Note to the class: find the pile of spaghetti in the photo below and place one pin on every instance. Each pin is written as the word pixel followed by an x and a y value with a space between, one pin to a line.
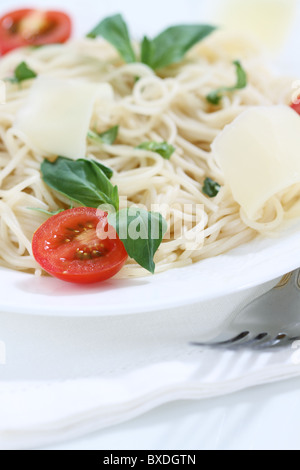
pixel 169 105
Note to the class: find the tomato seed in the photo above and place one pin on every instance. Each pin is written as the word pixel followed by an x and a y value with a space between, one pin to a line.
pixel 97 254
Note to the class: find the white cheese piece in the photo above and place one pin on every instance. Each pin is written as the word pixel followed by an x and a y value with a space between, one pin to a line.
pixel 56 116
pixel 259 154
pixel 268 20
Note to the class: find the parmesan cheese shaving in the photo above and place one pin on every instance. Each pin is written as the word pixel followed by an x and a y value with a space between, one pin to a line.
pixel 259 154
pixel 56 116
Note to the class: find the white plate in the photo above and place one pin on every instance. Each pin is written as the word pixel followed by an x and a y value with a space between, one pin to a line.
pixel 248 266
pixel 242 269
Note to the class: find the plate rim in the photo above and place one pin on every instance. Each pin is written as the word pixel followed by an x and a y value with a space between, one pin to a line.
pixel 286 261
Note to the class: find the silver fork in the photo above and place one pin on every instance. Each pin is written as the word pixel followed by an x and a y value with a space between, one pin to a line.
pixel 271 321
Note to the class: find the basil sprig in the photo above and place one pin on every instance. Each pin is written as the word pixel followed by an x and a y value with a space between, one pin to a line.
pixel 107 137
pixel 164 149
pixel 82 181
pixel 22 72
pixel 215 96
pixel 141 233
pixel 115 31
pixel 87 183
pixel 169 47
pixel 210 187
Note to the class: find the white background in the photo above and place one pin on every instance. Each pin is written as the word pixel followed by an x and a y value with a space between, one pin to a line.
pixel 264 417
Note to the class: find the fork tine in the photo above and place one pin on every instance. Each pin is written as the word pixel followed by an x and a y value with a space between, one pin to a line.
pixel 280 340
pixel 224 343
pixel 251 342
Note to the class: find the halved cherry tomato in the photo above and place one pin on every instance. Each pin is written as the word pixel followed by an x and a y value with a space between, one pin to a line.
pixel 29 27
pixel 296 107
pixel 68 246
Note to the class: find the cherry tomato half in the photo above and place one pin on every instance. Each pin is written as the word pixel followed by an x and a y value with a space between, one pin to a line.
pixel 29 27
pixel 296 107
pixel 68 246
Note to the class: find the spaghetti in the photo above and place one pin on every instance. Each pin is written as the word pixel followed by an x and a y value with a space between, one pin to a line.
pixel 168 107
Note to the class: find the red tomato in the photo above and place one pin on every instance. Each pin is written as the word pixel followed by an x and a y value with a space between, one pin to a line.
pixel 67 246
pixel 29 27
pixel 296 107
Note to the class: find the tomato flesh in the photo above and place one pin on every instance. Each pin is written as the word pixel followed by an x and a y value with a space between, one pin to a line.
pixel 296 107
pixel 68 246
pixel 56 28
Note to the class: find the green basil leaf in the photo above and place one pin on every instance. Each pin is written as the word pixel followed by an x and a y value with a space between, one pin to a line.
pixel 107 171
pixel 22 73
pixel 44 211
pixel 80 180
pixel 147 51
pixel 241 75
pixel 108 137
pixel 115 31
pixel 215 96
pixel 171 45
pixel 211 187
pixel 141 232
pixel 162 148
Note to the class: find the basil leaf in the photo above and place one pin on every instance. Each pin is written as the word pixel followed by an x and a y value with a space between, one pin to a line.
pixel 22 73
pixel 211 187
pixel 141 232
pixel 147 51
pixel 80 180
pixel 162 148
pixel 108 137
pixel 44 211
pixel 214 97
pixel 241 75
pixel 171 45
pixel 107 171
pixel 115 31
